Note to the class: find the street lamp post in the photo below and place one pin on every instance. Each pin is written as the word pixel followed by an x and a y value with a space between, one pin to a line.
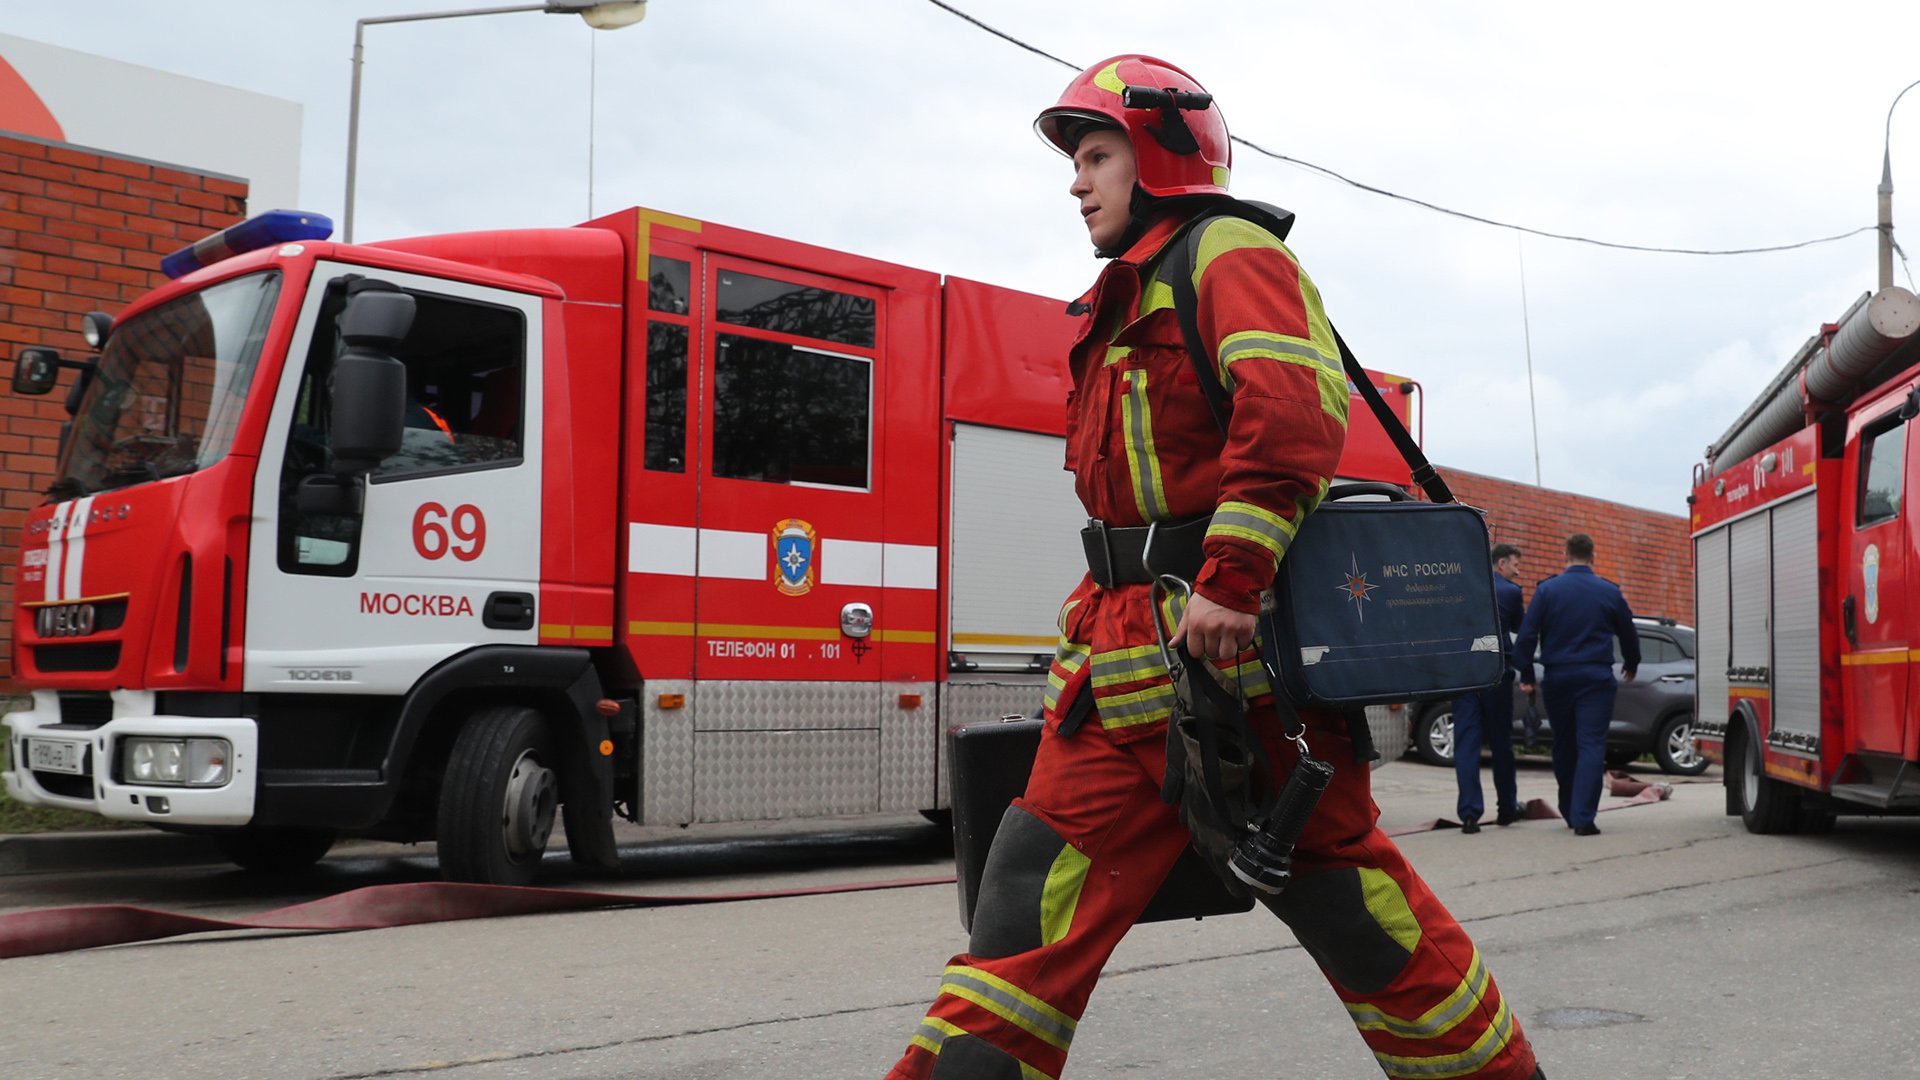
pixel 607 15
pixel 1886 193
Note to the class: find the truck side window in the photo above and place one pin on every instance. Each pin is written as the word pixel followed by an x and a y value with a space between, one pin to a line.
pixel 801 310
pixel 466 376
pixel 789 414
pixel 666 434
pixel 1883 457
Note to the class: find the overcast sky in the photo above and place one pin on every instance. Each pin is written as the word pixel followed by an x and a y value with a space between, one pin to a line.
pixel 893 129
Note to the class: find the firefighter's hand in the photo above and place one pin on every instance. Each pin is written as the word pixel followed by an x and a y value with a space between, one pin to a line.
pixel 1626 676
pixel 1213 632
pixel 1526 688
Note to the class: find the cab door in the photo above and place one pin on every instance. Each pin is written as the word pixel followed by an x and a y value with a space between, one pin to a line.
pixel 790 551
pixel 1873 614
pixel 444 553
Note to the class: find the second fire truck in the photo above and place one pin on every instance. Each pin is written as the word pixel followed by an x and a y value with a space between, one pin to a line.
pixel 1807 581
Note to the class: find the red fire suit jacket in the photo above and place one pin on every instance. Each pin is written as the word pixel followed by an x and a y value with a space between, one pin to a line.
pixel 1143 447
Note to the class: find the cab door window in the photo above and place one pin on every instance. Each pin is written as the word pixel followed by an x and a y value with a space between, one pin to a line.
pixel 1882 474
pixel 466 377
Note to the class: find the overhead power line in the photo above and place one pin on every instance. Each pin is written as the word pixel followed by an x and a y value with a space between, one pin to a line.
pixel 1422 203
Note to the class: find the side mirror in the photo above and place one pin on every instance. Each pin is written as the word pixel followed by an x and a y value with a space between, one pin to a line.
pixel 1909 408
pixel 369 385
pixel 36 371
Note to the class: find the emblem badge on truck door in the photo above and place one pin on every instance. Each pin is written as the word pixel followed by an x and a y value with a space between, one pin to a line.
pixel 794 545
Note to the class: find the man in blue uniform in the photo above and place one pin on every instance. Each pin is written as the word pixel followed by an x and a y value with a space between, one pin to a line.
pixel 1572 618
pixel 1487 717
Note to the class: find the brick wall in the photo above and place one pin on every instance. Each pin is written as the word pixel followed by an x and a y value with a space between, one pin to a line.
pixel 80 230
pixel 1647 553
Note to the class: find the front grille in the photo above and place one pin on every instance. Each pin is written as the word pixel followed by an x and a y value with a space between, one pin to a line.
pixel 98 657
pixel 85 710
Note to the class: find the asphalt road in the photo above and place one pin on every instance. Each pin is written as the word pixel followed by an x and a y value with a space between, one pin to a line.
pixel 1674 945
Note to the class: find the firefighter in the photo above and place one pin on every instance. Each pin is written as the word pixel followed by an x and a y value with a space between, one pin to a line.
pixel 1077 858
pixel 1575 618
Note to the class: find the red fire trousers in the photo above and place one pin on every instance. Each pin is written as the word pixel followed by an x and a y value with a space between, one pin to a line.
pixel 1089 844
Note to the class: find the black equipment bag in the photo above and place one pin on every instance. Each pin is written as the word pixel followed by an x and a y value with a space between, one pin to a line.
pixel 1376 601
pixel 988 765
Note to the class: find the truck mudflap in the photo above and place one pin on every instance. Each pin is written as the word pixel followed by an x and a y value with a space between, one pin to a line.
pixel 79 761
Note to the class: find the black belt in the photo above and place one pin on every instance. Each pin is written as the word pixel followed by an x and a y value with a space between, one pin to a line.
pixel 1114 554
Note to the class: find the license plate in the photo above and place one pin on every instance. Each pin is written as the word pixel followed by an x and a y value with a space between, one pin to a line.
pixel 56 755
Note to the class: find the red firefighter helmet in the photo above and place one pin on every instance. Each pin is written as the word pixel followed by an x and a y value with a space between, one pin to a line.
pixel 1179 137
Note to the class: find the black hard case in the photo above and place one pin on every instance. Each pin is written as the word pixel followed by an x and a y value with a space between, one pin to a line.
pixel 988 764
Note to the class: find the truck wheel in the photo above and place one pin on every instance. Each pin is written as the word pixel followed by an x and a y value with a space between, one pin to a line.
pixel 274 851
pixel 1766 805
pixel 499 798
pixel 1674 750
pixel 1433 735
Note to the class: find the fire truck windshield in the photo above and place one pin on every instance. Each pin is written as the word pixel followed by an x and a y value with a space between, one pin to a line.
pixel 166 396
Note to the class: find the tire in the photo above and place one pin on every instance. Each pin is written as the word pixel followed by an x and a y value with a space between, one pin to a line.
pixel 1433 735
pixel 942 817
pixel 499 798
pixel 1674 750
pixel 1767 806
pixel 274 852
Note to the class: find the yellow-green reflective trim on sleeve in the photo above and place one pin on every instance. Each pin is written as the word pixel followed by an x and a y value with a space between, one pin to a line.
pixel 1061 893
pixel 1254 524
pixel 1228 234
pixel 1259 345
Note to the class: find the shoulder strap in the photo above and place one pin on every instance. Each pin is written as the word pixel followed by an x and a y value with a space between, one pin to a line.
pixel 1186 302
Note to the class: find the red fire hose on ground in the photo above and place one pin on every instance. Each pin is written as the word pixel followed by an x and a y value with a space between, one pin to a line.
pixel 54 930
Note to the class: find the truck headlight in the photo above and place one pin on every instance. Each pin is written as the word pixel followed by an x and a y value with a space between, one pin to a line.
pixel 183 762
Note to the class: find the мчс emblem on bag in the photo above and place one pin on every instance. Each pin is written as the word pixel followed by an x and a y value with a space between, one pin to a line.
pixel 793 554
pixel 1356 588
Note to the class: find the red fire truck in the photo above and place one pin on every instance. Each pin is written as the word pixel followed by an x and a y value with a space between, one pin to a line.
pixel 1807 581
pixel 441 538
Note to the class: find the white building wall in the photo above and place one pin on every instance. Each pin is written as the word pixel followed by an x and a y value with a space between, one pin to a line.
pixel 135 111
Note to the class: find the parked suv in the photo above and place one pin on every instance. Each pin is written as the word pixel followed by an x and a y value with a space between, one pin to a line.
pixel 1652 714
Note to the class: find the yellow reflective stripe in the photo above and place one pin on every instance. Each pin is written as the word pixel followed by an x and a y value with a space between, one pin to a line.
pixel 1436 1021
pixel 1065 610
pixel 1061 893
pixel 1128 665
pixel 1255 344
pixel 1256 525
pixel 1068 659
pixel 1010 1003
pixel 1143 466
pixel 1108 78
pixel 934 1033
pixel 1465 1063
pixel 1139 707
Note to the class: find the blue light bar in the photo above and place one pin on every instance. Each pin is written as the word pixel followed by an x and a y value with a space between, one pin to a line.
pixel 272 227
